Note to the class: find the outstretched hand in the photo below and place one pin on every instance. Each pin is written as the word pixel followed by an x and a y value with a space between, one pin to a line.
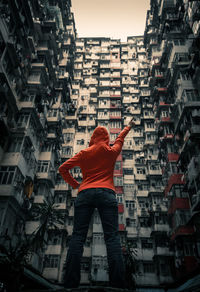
pixel 131 123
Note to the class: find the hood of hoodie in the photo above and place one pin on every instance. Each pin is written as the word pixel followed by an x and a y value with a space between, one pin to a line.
pixel 100 135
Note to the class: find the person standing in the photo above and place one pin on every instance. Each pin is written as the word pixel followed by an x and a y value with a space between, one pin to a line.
pixel 96 190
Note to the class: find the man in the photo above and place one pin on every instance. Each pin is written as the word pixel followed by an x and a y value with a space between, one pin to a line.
pixel 96 190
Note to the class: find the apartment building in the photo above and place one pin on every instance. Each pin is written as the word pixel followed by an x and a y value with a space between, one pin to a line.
pixel 110 86
pixel 172 41
pixel 36 67
pixel 56 88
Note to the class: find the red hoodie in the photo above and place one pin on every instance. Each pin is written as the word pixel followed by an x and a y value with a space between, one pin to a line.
pixel 97 162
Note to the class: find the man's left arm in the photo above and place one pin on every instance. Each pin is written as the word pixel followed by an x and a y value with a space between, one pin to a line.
pixel 66 166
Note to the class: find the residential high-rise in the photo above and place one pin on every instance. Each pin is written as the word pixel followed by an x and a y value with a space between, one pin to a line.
pixel 36 68
pixel 57 87
pixel 172 41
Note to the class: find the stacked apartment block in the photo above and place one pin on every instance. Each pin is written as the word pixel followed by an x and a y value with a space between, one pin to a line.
pixel 172 42
pixel 110 86
pixel 56 88
pixel 36 68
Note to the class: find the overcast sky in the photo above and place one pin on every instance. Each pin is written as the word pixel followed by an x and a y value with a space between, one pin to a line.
pixel 110 18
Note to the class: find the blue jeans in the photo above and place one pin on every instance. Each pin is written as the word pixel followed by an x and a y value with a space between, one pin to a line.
pixel 104 200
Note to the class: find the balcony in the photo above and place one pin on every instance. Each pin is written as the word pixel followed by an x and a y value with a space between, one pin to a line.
pixel 179 203
pixel 121 227
pixel 190 263
pixel 82 123
pixel 114 117
pixel 115 130
pixel 120 208
pixel 115 95
pixel 115 106
pixel 154 172
pixel 163 251
pixel 39 199
pixel 167 137
pixel 35 79
pixel 48 176
pixel 14 190
pixel 182 231
pixel 175 179
pixel 172 157
pixel 91 123
pixel 195 202
pixel 60 206
pixel 194 168
pixel 54 249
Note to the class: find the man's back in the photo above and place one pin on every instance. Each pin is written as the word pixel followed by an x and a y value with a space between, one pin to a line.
pixel 96 162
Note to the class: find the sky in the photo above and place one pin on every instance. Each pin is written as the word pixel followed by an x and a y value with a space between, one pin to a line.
pixel 110 18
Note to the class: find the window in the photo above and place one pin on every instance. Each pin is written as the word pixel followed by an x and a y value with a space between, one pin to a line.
pixel 55 239
pixel 130 222
pixel 165 269
pixel 130 205
pixel 140 170
pixel 183 217
pixel 189 95
pixel 87 242
pixel 23 120
pixel 143 187
pixel 115 124
pixel 98 238
pixel 43 189
pixel 150 137
pixel 148 267
pixel 60 197
pixel 128 171
pixel 179 42
pixel 52 261
pixel 113 136
pixel 16 145
pixel 161 219
pixel 85 266
pixel 67 137
pixel 70 221
pixel 67 151
pixel 53 113
pixel 121 218
pixel 154 167
pixel 150 125
pixel 177 191
pixel 132 243
pixel 120 198
pixel 80 142
pixel 189 248
pixel 139 142
pixel 118 165
pixel 7 174
pixel 43 166
pixel 118 181
pixel 146 243
pixel 115 113
pixel 141 204
pixel 185 76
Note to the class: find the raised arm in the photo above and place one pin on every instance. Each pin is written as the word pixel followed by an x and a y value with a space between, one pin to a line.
pixel 117 146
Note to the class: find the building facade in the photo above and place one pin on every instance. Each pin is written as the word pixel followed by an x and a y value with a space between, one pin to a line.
pixel 172 42
pixel 36 68
pixel 56 88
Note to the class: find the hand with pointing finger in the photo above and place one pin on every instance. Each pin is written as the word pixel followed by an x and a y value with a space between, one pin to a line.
pixel 131 123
